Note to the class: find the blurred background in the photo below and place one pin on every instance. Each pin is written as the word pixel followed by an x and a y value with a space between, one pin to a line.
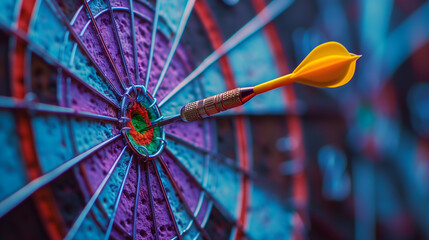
pixel 367 142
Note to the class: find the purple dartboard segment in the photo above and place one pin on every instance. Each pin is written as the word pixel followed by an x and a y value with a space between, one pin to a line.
pixel 93 171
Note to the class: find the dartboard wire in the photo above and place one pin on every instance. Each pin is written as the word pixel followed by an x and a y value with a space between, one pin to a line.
pixel 82 46
pixel 119 9
pixel 117 200
pixel 28 102
pixel 16 11
pixel 118 40
pixel 244 156
pixel 20 70
pixel 224 159
pixel 18 104
pixel 208 138
pixel 78 222
pixel 215 148
pixel 101 39
pixel 182 198
pixel 53 62
pixel 269 13
pixel 133 31
pixel 153 40
pixel 152 205
pixel 201 199
pixel 294 125
pixel 59 83
pixel 80 170
pixel 216 203
pixel 170 211
pixel 136 203
pixel 23 193
pixel 182 25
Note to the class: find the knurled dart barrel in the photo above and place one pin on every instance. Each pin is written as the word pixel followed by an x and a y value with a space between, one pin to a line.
pixel 215 104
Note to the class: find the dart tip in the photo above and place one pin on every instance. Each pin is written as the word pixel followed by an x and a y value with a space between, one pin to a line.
pixel 147 128
pixel 153 125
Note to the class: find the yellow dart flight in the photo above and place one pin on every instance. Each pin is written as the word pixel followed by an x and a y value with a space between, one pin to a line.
pixel 328 65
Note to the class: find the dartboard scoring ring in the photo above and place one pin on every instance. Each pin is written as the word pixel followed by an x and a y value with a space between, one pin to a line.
pixel 138 110
pixel 138 103
pixel 205 179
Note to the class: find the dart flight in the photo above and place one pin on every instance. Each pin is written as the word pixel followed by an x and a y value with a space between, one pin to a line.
pixel 328 65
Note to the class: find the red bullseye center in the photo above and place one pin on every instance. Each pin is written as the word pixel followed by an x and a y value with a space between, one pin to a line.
pixel 139 119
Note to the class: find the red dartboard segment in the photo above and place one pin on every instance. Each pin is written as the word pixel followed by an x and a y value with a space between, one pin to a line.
pixel 215 36
pixel 293 122
pixel 43 198
pixel 244 162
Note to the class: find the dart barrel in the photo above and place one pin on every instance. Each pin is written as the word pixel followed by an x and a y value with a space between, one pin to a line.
pixel 215 104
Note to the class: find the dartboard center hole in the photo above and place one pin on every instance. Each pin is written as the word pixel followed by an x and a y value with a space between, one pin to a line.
pixel 140 110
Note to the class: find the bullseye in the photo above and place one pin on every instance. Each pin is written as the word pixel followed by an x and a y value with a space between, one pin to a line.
pixel 139 119
pixel 138 109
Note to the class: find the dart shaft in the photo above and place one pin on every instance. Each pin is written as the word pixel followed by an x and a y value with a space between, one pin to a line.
pixel 206 107
pixel 275 83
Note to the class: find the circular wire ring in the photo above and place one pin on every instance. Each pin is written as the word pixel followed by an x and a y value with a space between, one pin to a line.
pixel 145 150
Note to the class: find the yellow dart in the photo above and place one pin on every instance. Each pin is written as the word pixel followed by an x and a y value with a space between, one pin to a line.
pixel 328 65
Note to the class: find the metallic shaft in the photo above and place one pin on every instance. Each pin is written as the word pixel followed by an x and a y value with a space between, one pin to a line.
pixel 207 107
pixel 215 104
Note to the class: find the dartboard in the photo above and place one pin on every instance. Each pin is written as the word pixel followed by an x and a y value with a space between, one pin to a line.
pixel 81 81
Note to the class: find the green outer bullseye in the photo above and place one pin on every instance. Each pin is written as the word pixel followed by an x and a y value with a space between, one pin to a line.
pixel 139 124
